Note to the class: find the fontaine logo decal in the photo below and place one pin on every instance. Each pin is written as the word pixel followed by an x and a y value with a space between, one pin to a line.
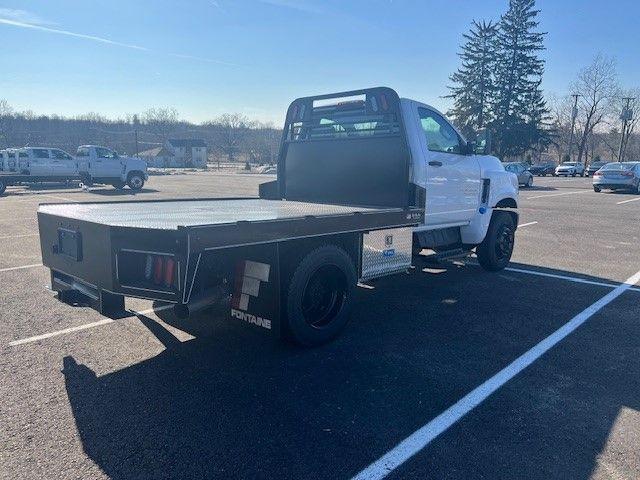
pixel 249 276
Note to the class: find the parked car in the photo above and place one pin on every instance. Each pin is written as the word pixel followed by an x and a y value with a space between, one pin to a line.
pixel 566 169
pixel 521 170
pixel 618 176
pixel 543 169
pixel 593 168
pixel 102 165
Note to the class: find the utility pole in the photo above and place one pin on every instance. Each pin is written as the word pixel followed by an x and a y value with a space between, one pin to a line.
pixel 136 122
pixel 626 116
pixel 574 114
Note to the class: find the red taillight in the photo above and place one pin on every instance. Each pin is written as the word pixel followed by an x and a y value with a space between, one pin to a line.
pixel 169 268
pixel 158 270
pixel 597 174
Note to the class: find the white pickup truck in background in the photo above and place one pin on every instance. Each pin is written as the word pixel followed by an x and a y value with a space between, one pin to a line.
pixel 102 165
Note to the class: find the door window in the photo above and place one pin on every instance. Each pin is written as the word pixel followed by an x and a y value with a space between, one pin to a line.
pixel 60 155
pixel 105 153
pixel 441 136
pixel 40 153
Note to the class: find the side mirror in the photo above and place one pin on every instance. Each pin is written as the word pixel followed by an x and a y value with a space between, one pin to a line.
pixel 470 148
pixel 483 142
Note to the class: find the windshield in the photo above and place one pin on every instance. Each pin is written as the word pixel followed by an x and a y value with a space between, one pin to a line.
pixel 569 164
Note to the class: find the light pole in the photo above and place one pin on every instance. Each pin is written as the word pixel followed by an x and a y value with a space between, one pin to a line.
pixel 626 116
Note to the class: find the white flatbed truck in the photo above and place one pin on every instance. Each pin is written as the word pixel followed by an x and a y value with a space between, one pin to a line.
pixel 366 181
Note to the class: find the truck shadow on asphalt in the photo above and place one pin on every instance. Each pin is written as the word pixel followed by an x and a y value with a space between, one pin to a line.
pixel 112 192
pixel 537 188
pixel 235 403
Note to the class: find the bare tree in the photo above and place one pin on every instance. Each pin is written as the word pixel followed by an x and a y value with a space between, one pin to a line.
pixel 560 112
pixel 231 133
pixel 6 114
pixel 161 121
pixel 597 86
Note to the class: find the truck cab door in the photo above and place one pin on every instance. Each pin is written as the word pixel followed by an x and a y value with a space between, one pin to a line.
pixel 40 163
pixel 64 164
pixel 453 183
pixel 105 164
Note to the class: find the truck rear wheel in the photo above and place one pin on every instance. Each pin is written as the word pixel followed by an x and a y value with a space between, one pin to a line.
pixel 494 253
pixel 135 181
pixel 320 295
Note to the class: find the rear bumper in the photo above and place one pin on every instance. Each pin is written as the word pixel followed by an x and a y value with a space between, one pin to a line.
pixel 74 291
pixel 614 184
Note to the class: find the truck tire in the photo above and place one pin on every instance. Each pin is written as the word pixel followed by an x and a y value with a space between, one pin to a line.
pixel 320 295
pixel 494 253
pixel 3 187
pixel 135 180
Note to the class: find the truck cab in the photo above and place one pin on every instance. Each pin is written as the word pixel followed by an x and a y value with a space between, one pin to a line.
pixel 370 147
pixel 105 166
pixel 46 164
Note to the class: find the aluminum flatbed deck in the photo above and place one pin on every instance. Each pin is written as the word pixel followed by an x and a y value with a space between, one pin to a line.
pixel 170 215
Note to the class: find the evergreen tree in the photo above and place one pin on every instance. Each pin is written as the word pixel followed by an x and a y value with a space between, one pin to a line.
pixel 519 107
pixel 474 88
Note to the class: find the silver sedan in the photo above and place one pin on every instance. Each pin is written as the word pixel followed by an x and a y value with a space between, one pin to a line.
pixel 522 171
pixel 618 176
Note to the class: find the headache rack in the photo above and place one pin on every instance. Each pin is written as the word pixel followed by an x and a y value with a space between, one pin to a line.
pixel 345 148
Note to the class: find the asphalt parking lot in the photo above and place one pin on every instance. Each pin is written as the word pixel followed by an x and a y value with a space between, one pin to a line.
pixel 451 372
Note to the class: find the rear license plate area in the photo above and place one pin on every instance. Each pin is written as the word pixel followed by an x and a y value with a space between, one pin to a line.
pixel 70 244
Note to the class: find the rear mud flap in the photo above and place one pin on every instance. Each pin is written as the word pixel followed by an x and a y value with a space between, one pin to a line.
pixel 256 289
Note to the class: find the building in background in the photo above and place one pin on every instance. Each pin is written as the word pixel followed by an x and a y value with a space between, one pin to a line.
pixel 177 153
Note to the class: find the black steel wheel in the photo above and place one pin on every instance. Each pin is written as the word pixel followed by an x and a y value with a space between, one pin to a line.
pixel 320 295
pixel 135 181
pixel 494 253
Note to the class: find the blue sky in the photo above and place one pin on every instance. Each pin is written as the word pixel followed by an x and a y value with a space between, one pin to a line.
pixel 207 57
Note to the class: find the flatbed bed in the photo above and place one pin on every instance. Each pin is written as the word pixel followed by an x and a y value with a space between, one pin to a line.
pixel 106 251
pixel 173 214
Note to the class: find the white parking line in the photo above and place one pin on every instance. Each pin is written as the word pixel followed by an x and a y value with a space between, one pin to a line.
pixel 86 326
pixel 526 224
pixel 627 201
pixel 556 194
pixel 568 278
pixel 11 269
pixel 422 437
